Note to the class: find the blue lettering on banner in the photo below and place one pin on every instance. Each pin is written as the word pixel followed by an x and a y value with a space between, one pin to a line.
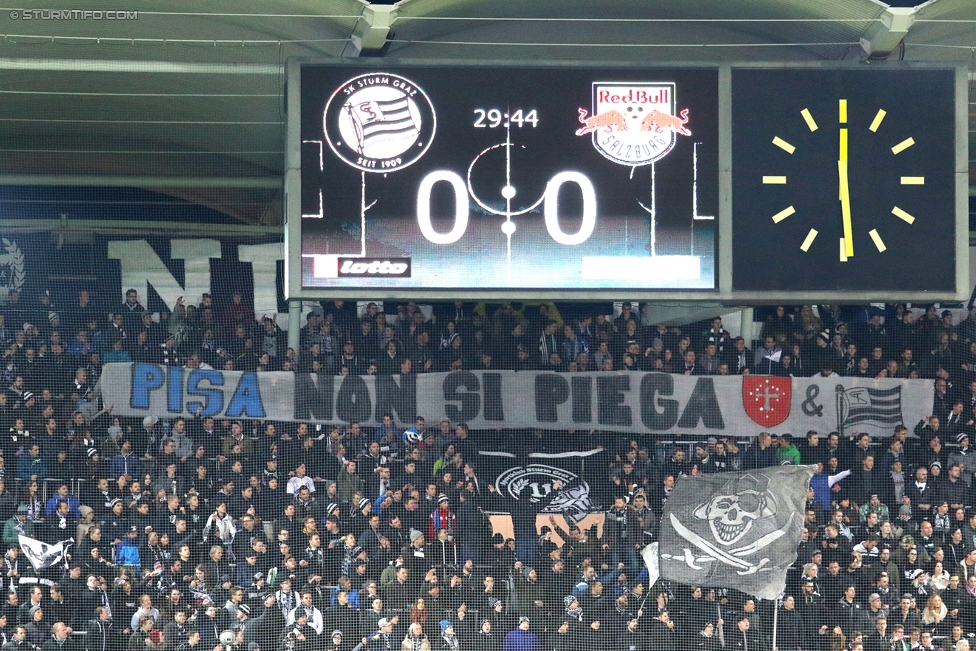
pixel 213 399
pixel 145 379
pixel 246 402
pixel 174 393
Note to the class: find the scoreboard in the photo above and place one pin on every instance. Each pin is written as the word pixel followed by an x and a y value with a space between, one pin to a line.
pixel 568 179
pixel 572 181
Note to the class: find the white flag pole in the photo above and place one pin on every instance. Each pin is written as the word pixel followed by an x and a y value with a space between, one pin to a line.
pixel 721 628
pixel 775 621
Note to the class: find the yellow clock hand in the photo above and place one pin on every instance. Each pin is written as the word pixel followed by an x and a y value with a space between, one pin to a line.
pixel 845 195
pixel 845 207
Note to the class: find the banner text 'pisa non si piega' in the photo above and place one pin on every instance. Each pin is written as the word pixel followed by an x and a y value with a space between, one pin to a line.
pixel 611 401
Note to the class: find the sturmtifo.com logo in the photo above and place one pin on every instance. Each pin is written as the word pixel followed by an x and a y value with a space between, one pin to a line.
pixel 379 122
pixel 534 481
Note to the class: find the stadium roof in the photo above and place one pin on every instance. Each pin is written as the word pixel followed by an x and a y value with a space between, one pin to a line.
pixel 189 101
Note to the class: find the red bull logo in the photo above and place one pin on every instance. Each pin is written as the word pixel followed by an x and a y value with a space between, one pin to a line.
pixel 633 124
pixel 609 121
pixel 657 122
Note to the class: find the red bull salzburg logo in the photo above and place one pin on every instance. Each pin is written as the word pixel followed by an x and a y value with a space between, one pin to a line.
pixel 633 124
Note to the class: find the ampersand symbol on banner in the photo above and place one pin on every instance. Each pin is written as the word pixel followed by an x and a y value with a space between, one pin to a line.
pixel 809 406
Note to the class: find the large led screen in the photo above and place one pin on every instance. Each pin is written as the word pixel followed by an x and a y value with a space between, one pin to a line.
pixel 558 179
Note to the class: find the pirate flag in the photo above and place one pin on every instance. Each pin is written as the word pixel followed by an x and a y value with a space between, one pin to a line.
pixel 736 530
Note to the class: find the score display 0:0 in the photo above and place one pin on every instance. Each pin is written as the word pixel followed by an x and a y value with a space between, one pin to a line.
pixel 497 118
pixel 550 207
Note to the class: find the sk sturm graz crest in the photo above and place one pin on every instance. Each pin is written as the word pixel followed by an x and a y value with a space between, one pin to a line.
pixel 633 123
pixel 532 482
pixel 379 122
pixel 735 529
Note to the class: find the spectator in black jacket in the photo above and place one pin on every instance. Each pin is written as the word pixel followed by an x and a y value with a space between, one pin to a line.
pixel 762 454
pixel 848 613
pixel 99 635
pixel 524 523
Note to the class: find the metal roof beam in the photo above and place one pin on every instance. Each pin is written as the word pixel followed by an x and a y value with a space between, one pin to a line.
pixel 372 32
pixel 131 226
pixel 126 181
pixel 885 35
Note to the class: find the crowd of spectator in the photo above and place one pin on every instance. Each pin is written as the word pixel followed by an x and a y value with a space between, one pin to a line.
pixel 303 537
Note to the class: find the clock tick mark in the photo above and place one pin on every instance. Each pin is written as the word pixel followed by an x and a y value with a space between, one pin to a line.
pixel 913 180
pixel 902 146
pixel 877 120
pixel 811 236
pixel 901 214
pixel 783 214
pixel 808 118
pixel 877 240
pixel 843 250
pixel 842 111
pixel 774 180
pixel 782 144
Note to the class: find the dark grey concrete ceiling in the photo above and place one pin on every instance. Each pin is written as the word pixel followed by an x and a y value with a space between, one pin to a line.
pixel 195 93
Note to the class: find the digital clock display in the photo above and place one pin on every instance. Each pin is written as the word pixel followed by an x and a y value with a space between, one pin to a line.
pixel 565 179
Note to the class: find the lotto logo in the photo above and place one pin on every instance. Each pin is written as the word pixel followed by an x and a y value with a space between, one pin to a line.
pixel 388 267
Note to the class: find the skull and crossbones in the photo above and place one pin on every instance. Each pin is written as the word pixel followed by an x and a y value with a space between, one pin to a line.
pixel 730 516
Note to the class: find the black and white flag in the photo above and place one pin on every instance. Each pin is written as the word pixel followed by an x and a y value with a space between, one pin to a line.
pixel 737 530
pixel 42 555
pixel 381 120
pixel 866 406
pixel 528 478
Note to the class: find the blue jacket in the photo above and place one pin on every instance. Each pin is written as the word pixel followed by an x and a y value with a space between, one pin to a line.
pixel 129 554
pixel 383 430
pixel 582 588
pixel 28 465
pixel 119 463
pixel 245 573
pixel 519 640
pixel 73 505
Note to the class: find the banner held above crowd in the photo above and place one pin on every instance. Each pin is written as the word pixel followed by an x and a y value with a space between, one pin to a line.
pixel 734 530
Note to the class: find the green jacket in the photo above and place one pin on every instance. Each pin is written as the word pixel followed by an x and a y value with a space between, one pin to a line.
pixel 791 453
pixel 11 531
pixel 137 641
pixel 528 594
pixel 347 485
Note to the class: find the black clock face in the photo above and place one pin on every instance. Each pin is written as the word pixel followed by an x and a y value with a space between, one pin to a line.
pixel 792 176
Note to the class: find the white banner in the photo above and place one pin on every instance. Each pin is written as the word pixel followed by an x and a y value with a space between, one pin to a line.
pixel 618 401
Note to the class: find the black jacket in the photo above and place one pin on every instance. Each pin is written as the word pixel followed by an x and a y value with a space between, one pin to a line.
pixel 98 636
